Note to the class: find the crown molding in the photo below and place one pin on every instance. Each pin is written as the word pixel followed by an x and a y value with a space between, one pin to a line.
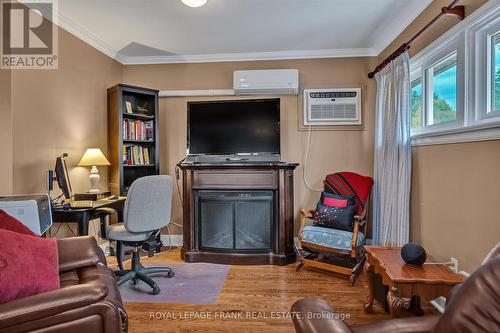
pixel 80 32
pixel 83 34
pixel 385 33
pixel 388 31
pixel 250 56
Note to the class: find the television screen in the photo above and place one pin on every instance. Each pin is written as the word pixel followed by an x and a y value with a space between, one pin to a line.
pixel 232 127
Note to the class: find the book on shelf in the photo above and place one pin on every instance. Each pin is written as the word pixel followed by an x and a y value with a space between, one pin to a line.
pixel 137 155
pixel 128 107
pixel 138 130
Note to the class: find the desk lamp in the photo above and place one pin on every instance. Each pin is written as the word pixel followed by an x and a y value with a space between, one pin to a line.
pixel 94 157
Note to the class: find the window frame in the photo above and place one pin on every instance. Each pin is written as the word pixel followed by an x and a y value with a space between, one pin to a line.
pixel 490 74
pixel 421 65
pixel 471 39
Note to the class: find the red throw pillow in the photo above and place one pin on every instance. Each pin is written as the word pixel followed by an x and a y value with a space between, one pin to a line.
pixel 29 265
pixel 332 202
pixel 11 223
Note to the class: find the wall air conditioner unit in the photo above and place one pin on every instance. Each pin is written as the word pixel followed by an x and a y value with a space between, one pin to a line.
pixel 332 107
pixel 266 82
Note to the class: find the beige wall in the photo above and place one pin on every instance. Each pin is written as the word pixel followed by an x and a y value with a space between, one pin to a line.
pixel 454 186
pixel 57 111
pixel 454 196
pixel 5 133
pixel 51 112
pixel 330 150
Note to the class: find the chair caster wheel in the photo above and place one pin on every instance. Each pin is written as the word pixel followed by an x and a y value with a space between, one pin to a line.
pixel 156 290
pixel 170 274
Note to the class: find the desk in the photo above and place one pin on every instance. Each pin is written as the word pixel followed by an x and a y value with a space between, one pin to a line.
pixel 82 216
pixel 406 284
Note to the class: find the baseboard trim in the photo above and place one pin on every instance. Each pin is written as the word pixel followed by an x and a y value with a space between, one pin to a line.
pixel 172 240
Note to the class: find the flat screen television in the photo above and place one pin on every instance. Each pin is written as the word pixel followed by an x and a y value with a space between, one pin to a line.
pixel 234 130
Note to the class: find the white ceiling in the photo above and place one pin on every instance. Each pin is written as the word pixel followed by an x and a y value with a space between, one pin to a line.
pixel 166 31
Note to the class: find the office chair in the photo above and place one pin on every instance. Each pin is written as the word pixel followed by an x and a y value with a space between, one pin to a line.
pixel 147 210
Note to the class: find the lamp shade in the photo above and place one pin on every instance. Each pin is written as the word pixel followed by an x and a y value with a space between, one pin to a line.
pixel 93 156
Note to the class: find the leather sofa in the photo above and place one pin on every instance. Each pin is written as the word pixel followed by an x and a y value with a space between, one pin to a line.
pixel 473 306
pixel 87 301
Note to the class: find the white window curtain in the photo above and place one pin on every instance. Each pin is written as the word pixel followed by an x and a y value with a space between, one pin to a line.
pixel 392 165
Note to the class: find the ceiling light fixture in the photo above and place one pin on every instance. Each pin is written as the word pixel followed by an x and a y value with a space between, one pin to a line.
pixel 194 3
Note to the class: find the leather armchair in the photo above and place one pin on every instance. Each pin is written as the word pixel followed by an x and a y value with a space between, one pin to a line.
pixel 87 301
pixel 471 307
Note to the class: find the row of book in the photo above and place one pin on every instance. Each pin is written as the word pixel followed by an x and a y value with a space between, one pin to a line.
pixel 138 130
pixel 137 155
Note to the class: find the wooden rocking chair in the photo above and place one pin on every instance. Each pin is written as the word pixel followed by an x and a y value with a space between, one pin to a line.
pixel 335 250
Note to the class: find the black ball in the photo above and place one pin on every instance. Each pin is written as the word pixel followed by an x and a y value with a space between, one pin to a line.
pixel 413 254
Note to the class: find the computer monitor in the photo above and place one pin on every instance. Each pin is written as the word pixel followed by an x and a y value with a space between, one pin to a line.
pixel 63 176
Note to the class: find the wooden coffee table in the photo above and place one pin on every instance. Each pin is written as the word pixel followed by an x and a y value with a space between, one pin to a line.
pixel 406 284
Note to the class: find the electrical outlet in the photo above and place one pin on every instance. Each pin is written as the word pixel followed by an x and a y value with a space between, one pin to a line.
pixel 454 264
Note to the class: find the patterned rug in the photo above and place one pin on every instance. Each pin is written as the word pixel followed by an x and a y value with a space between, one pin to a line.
pixel 196 283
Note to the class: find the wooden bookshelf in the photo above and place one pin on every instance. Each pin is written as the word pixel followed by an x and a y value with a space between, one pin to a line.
pixel 133 130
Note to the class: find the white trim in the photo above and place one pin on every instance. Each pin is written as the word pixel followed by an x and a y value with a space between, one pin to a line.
pixel 470 126
pixel 250 56
pixel 463 134
pixel 69 25
pixel 194 93
pixel 172 240
pixel 387 32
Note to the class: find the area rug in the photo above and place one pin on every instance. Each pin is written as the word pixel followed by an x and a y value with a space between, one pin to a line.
pixel 196 283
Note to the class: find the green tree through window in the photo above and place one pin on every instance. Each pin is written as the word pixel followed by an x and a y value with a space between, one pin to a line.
pixel 416 103
pixel 443 111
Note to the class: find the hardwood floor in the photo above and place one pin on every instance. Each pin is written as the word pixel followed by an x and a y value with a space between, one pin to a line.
pixel 263 293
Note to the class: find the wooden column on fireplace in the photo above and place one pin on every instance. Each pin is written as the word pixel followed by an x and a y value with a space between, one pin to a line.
pixel 226 210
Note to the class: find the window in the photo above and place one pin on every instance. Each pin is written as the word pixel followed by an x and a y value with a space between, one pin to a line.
pixel 495 72
pixel 455 82
pixel 416 103
pixel 443 107
pixel 435 91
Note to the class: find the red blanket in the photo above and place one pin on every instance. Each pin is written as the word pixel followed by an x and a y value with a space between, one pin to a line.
pixel 350 184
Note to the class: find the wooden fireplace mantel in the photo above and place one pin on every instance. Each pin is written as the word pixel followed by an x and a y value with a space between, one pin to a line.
pixel 275 177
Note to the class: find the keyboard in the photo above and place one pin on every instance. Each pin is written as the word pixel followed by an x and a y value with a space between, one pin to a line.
pixel 81 204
